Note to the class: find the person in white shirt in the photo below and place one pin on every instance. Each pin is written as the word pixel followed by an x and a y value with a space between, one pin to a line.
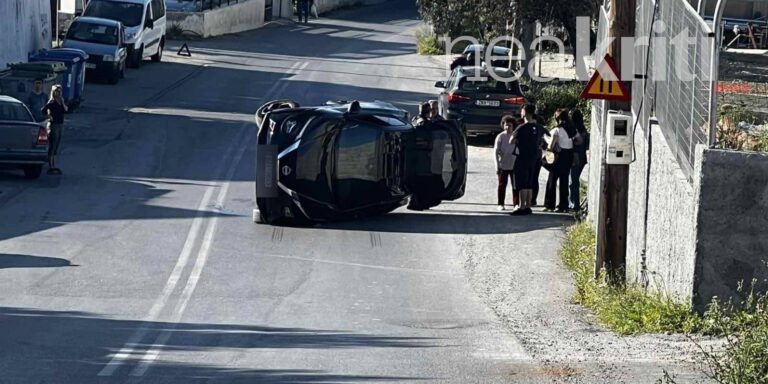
pixel 506 155
pixel 562 146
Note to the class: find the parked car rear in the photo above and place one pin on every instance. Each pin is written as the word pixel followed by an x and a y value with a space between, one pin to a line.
pixel 480 104
pixel 23 142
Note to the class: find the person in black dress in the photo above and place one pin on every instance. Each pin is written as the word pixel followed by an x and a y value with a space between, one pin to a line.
pixel 55 110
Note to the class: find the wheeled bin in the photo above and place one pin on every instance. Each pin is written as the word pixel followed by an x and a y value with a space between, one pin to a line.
pixel 74 80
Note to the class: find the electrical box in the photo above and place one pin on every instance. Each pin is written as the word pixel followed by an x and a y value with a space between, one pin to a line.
pixel 619 138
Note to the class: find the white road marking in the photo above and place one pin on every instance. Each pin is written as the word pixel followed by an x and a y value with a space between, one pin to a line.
pixel 129 348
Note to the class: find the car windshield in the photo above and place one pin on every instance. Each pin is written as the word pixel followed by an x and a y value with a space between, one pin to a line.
pixel 127 13
pixel 14 112
pixel 93 33
pixel 490 85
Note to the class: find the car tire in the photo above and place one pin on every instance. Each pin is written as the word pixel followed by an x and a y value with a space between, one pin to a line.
pixel 136 59
pixel 33 171
pixel 114 78
pixel 157 57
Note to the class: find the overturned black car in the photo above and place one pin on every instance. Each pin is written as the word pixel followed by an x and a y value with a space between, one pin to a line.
pixel 345 161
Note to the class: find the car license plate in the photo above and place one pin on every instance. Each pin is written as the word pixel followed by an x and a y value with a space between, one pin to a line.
pixel 90 65
pixel 488 103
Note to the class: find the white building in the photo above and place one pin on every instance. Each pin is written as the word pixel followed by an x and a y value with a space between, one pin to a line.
pixel 25 26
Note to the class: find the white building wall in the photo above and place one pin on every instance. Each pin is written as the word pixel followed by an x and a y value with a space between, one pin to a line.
pixel 25 26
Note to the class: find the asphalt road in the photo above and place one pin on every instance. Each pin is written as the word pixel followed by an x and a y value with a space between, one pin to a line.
pixel 141 264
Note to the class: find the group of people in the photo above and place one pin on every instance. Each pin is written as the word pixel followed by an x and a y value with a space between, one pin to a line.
pixel 51 108
pixel 524 147
pixel 428 111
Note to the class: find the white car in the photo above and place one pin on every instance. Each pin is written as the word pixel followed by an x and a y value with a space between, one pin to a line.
pixel 144 25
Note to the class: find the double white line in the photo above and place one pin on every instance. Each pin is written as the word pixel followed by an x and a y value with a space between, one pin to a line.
pixel 235 152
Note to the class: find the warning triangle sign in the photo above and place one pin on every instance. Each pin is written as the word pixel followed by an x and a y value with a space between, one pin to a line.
pixel 605 84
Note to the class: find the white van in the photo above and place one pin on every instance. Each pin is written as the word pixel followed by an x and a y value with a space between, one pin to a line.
pixel 144 22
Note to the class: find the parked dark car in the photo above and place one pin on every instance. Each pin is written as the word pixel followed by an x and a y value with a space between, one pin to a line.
pixel 340 162
pixel 479 105
pixel 23 142
pixel 500 57
pixel 102 40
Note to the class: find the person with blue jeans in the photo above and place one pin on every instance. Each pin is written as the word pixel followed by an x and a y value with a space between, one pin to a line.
pixel 579 159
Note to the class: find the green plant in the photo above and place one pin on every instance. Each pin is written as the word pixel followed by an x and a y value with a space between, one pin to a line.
pixel 548 97
pixel 427 43
pixel 731 134
pixel 625 309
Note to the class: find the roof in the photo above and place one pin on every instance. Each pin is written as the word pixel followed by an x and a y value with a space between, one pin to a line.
pixel 97 20
pixel 484 70
pixel 8 99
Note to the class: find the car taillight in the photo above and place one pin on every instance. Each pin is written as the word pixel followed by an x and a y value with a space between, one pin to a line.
pixel 453 98
pixel 515 100
pixel 42 136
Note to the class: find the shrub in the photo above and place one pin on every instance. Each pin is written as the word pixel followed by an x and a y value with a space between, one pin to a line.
pixel 736 129
pixel 625 309
pixel 548 97
pixel 427 42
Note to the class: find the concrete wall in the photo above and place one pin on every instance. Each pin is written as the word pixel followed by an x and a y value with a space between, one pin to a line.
pixel 732 223
pixel 25 26
pixel 221 21
pixel 671 238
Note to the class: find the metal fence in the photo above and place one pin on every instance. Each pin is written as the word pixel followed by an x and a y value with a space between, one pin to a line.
pixel 676 76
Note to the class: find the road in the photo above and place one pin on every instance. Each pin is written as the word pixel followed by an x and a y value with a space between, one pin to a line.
pixel 141 264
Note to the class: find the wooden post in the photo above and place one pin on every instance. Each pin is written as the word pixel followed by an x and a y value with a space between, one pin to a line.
pixel 614 196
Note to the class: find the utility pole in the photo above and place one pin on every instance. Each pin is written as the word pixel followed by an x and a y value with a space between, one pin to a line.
pixel 614 196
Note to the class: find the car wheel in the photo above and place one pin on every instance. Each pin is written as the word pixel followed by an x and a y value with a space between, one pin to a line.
pixel 33 171
pixel 114 78
pixel 157 57
pixel 137 58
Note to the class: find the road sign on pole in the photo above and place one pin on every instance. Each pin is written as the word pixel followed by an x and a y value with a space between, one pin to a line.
pixel 606 84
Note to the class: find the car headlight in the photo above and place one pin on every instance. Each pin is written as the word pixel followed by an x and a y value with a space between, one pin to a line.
pixel 108 58
pixel 130 35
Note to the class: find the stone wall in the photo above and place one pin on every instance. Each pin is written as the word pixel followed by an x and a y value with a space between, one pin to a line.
pixel 25 26
pixel 732 242
pixel 235 18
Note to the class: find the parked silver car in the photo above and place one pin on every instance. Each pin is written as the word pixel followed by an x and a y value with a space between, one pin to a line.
pixel 23 142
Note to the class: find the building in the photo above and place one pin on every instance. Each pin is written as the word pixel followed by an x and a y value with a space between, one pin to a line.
pixel 25 26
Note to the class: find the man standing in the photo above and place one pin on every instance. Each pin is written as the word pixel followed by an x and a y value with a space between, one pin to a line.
pixel 506 155
pixel 423 117
pixel 434 110
pixel 37 100
pixel 527 138
pixel 303 8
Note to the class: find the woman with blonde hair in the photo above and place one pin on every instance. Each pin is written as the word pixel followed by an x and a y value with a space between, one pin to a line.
pixel 55 110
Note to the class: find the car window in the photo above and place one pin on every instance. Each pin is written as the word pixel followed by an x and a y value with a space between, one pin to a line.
pixel 158 9
pixel 93 33
pixel 127 13
pixel 148 16
pixel 490 85
pixel 451 80
pixel 14 112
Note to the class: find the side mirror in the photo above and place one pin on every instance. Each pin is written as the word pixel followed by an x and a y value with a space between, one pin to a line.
pixel 440 84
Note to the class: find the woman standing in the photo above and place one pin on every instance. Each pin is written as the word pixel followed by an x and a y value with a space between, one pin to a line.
pixel 55 110
pixel 580 144
pixel 506 155
pixel 562 146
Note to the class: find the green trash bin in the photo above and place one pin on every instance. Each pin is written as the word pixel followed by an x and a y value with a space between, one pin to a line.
pixel 19 84
pixel 57 68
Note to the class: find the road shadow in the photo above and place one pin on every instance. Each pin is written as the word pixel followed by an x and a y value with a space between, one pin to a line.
pixel 453 222
pixel 25 261
pixel 75 346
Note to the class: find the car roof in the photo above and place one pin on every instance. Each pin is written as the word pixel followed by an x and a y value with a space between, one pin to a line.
pixel 98 20
pixel 483 71
pixel 481 48
pixel 8 99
